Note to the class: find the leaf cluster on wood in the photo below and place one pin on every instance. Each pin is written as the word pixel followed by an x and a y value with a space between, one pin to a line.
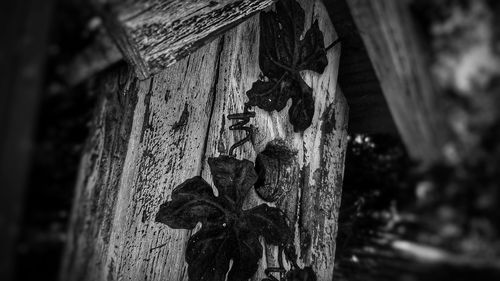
pixel 228 232
pixel 282 55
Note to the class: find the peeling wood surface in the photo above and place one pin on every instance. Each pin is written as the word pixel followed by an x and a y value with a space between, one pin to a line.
pixel 172 123
pixel 397 54
pixel 137 154
pixel 155 34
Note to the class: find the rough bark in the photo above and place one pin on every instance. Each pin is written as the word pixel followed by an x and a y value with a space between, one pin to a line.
pixel 24 28
pixel 142 145
pixel 161 131
pixel 396 52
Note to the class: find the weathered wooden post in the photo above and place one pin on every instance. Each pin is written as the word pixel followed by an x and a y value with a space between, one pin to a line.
pixel 149 136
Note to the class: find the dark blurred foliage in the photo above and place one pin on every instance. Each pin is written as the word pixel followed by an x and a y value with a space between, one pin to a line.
pixel 376 173
pixel 459 203
pixel 462 39
pixel 448 212
pixel 62 128
pixel 449 209
pixel 453 207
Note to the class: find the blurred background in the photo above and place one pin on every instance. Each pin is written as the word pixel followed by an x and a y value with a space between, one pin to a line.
pixel 445 210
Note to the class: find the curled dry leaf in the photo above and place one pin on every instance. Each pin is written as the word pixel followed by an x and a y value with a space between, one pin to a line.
pixel 276 166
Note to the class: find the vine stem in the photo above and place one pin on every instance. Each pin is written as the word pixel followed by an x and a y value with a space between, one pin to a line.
pixel 333 44
pixel 243 119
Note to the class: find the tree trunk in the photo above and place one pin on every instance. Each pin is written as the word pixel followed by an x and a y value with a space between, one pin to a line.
pixel 149 136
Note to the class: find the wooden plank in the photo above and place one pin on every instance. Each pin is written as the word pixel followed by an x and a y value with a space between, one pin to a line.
pixel 152 135
pixel 155 34
pixel 312 204
pixel 400 63
pixel 24 28
pixel 143 144
pixel 368 110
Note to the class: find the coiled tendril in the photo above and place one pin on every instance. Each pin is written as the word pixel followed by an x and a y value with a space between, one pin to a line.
pixel 243 119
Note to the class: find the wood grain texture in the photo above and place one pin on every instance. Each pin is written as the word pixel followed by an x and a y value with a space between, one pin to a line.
pixel 313 203
pixel 137 154
pixel 154 34
pixel 396 52
pixel 98 181
pixel 175 121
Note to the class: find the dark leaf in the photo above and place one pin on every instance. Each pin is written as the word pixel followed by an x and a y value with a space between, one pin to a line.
pixel 273 47
pixel 208 254
pixel 291 18
pixel 302 110
pixel 227 232
pixel 272 95
pixel 269 222
pixel 312 50
pixel 299 274
pixel 246 254
pixel 232 177
pixel 282 55
pixel 268 95
pixel 192 202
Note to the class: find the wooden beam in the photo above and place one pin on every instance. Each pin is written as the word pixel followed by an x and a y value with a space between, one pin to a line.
pixel 24 27
pixel 397 54
pixel 155 34
pixel 368 109
pixel 149 136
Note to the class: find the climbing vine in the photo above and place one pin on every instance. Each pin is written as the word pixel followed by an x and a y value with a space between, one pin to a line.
pixel 227 244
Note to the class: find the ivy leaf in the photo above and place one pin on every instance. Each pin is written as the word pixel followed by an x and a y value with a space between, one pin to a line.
pixel 282 55
pixel 269 222
pixel 228 232
pixel 192 202
pixel 208 254
pixel 301 274
pixel 233 178
pixel 246 254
